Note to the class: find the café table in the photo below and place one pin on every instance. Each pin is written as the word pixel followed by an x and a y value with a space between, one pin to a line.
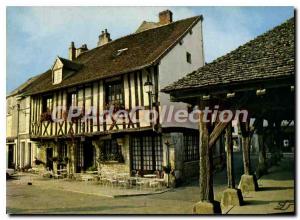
pixel 150 176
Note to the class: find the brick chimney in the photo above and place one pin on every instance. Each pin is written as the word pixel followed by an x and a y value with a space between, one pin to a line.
pixel 81 49
pixel 104 38
pixel 72 51
pixel 165 17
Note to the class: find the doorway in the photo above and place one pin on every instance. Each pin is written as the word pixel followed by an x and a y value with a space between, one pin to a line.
pixel 88 155
pixel 29 155
pixel 49 158
pixel 10 156
pixel 85 156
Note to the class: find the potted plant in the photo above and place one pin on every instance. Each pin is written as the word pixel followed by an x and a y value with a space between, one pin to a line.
pixel 119 157
pixel 46 116
pixel 167 170
pixel 92 168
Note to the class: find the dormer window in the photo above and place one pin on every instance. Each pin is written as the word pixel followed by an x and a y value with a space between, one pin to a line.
pixel 120 51
pixel 57 70
pixel 57 76
pixel 63 68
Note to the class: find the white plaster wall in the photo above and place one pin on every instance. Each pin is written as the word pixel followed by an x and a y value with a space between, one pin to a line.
pixel 24 116
pixel 174 66
pixel 11 118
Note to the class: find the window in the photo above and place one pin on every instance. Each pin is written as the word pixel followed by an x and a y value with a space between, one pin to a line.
pixel 188 57
pixel 120 51
pixel 71 100
pixel 57 76
pixel 111 147
pixel 47 104
pixel 191 147
pixel 80 162
pixel 146 153
pixel 114 93
pixel 63 151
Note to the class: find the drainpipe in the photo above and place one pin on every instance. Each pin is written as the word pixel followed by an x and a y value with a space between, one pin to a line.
pixel 168 161
pixel 18 158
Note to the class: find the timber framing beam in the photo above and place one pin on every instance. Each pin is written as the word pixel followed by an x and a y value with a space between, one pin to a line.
pixel 215 134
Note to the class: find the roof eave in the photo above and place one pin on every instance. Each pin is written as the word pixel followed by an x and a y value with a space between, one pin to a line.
pixel 187 93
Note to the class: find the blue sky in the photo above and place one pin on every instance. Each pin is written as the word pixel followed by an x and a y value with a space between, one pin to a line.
pixel 36 35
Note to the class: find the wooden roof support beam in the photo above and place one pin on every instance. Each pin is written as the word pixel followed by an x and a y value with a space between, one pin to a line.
pixel 245 131
pixel 260 92
pixel 206 162
pixel 230 95
pixel 215 134
pixel 206 97
pixel 292 88
pixel 229 157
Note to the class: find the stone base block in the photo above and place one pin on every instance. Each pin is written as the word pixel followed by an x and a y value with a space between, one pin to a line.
pixel 207 208
pixel 231 197
pixel 248 183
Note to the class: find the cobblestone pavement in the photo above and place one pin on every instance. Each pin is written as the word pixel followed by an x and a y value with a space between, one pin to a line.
pixel 42 199
pixel 276 193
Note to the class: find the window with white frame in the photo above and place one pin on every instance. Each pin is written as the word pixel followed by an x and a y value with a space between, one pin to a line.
pixel 57 76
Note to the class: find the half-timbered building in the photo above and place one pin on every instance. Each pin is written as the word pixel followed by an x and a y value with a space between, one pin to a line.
pixel 123 73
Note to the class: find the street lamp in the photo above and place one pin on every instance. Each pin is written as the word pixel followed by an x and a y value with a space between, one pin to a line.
pixel 148 85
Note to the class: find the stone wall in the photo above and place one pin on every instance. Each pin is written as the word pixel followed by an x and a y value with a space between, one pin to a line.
pixel 112 167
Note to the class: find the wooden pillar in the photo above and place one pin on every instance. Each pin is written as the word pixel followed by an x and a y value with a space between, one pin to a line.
pixel 278 139
pixel 248 181
pixel 272 145
pixel 207 205
pixel 55 154
pixel 206 174
pixel 229 157
pixel 72 158
pixel 97 145
pixel 261 168
pixel 246 146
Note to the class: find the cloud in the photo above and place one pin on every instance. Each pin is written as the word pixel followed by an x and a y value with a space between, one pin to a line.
pixel 36 35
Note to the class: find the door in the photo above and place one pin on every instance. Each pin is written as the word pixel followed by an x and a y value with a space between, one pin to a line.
pixel 88 155
pixel 23 152
pixel 29 154
pixel 146 153
pixel 10 157
pixel 49 157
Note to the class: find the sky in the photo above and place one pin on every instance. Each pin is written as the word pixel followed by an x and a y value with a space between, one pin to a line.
pixel 35 36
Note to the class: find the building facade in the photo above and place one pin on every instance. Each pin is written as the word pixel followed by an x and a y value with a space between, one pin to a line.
pixel 122 74
pixel 20 149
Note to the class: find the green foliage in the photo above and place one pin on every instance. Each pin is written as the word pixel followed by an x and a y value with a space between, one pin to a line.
pixel 92 168
pixel 167 169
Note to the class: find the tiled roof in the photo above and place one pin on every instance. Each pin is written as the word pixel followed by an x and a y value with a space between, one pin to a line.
pixel 70 64
pixel 146 25
pixel 24 86
pixel 269 56
pixel 144 49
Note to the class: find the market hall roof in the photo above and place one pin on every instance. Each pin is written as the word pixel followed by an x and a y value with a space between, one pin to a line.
pixel 269 56
pixel 143 49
